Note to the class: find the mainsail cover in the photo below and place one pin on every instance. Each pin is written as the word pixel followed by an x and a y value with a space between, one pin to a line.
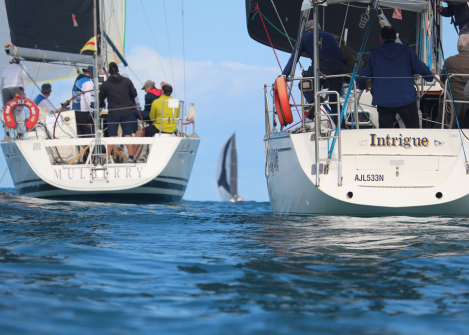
pixel 332 18
pixel 227 170
pixel 39 71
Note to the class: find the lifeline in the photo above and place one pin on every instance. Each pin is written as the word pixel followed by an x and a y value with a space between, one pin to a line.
pixel 405 142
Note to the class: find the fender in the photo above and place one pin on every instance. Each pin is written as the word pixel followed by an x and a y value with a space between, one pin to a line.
pixel 8 112
pixel 282 103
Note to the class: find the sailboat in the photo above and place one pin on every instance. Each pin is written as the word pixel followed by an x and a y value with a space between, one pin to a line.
pixel 51 160
pixel 227 171
pixel 314 167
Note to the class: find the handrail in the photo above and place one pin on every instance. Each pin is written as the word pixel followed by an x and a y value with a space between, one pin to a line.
pixel 453 101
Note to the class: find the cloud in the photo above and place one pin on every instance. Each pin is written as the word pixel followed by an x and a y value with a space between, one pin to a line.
pixel 204 79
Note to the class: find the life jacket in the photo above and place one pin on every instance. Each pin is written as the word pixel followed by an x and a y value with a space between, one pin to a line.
pixel 39 99
pixel 75 88
pixel 156 92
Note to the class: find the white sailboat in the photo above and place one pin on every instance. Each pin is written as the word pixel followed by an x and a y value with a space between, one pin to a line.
pixel 49 161
pixel 227 171
pixel 317 169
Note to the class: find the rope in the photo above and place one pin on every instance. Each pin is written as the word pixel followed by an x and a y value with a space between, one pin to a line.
pixel 154 43
pixel 268 36
pixel 280 66
pixel 135 75
pixel 272 25
pixel 169 45
pixel 354 74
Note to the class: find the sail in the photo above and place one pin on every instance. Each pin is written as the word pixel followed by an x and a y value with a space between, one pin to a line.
pixel 52 30
pixel 114 27
pixel 332 19
pixel 227 170
pixel 40 72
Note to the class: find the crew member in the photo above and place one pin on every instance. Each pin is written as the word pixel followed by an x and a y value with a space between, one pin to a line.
pixel 331 62
pixel 391 67
pixel 83 104
pixel 457 64
pixel 165 117
pixel 119 91
pixel 15 82
pixel 42 99
pixel 460 11
pixel 151 95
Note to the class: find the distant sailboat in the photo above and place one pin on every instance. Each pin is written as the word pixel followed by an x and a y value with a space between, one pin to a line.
pixel 227 171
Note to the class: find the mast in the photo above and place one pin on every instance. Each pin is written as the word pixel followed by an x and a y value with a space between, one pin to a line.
pixel 95 79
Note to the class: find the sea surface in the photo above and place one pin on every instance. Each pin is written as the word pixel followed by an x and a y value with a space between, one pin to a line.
pixel 221 268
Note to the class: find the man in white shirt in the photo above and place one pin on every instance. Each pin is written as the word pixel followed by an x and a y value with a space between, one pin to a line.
pixel 83 104
pixel 14 81
pixel 42 99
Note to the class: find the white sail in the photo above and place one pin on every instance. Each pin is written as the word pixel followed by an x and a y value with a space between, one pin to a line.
pixel 225 170
pixel 114 27
pixel 40 72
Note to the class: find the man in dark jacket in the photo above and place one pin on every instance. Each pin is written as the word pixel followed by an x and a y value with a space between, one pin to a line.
pixel 331 62
pixel 460 11
pixel 118 91
pixel 391 67
pixel 151 95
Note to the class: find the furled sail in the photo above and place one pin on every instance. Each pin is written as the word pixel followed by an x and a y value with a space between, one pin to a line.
pixel 52 30
pixel 114 27
pixel 333 18
pixel 39 71
pixel 227 171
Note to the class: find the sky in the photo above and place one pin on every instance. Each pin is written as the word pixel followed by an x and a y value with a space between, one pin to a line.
pixel 225 75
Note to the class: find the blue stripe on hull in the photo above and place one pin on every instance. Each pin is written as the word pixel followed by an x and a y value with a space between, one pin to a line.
pixel 100 196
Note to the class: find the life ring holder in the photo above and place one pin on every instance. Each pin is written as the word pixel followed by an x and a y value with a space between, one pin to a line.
pixel 19 101
pixel 282 102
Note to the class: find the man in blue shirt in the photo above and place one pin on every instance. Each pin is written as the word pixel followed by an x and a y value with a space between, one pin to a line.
pixel 331 62
pixel 391 67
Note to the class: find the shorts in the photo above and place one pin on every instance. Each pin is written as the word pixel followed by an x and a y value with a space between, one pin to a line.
pixel 151 131
pixel 125 122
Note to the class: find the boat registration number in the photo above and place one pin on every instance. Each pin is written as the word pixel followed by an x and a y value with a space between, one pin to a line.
pixel 369 177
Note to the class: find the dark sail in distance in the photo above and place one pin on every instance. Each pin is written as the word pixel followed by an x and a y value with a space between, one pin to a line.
pixel 332 19
pixel 227 171
pixel 53 25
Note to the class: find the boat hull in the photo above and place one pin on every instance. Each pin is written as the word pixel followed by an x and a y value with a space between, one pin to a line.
pixel 167 186
pixel 429 181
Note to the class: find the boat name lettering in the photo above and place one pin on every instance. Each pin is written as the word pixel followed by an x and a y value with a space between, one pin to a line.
pixel 369 177
pixel 401 141
pixel 71 175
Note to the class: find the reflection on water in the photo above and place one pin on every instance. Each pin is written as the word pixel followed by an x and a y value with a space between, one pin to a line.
pixel 209 267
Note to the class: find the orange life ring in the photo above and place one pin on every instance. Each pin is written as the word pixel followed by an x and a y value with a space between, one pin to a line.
pixel 282 103
pixel 9 108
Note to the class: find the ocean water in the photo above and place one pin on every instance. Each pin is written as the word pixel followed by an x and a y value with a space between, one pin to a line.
pixel 222 268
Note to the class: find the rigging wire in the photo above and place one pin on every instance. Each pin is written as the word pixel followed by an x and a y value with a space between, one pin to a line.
pixel 154 43
pixel 286 34
pixel 169 44
pixel 37 74
pixel 345 20
pixel 183 53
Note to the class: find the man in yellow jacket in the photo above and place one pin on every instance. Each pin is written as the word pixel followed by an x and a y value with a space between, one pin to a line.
pixel 165 120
